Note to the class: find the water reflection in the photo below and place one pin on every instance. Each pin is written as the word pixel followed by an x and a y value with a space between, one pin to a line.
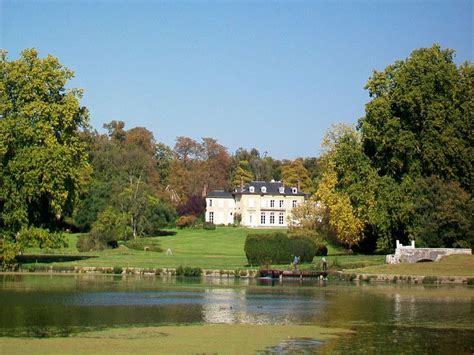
pixel 398 315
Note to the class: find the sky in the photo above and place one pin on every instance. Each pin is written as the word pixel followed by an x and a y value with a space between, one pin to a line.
pixel 274 75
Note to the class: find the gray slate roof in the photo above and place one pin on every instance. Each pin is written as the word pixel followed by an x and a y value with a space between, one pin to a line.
pixel 273 188
pixel 219 194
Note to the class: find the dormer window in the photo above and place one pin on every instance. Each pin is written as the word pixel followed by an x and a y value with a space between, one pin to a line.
pixel 251 189
pixel 294 190
pixel 282 189
pixel 264 190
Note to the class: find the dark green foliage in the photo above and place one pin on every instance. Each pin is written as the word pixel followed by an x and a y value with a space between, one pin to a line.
pixel 163 233
pixel 92 204
pixel 303 247
pixel 278 248
pixel 420 118
pixel 188 271
pixel 321 250
pixel 443 214
pixel 159 214
pixel 427 280
pixel 209 226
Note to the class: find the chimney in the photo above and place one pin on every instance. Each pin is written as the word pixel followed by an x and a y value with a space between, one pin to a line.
pixel 204 190
pixel 299 185
pixel 241 184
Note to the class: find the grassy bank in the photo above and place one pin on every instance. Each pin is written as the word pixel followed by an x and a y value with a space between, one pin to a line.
pixel 222 248
pixel 454 265
pixel 200 339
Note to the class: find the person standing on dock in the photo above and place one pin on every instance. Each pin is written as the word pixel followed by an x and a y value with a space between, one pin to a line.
pixel 296 261
pixel 324 264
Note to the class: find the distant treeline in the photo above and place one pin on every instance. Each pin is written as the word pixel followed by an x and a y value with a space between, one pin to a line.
pixel 405 172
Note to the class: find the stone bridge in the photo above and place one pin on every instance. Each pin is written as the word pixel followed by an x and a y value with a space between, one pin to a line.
pixel 410 254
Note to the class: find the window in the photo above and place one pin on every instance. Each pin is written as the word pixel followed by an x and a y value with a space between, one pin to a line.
pixel 250 218
pixel 282 203
pixel 272 218
pixel 281 218
pixel 211 217
pixel 294 190
pixel 282 189
pixel 272 203
pixel 251 189
pixel 294 203
pixel 210 202
pixel 263 189
pixel 262 218
pixel 251 203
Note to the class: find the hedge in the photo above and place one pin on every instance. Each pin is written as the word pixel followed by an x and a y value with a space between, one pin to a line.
pixel 278 248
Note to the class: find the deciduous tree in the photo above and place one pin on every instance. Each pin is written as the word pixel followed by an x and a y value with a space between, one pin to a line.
pixel 43 161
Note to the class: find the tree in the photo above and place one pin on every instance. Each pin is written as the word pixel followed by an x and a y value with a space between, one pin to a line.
pixel 419 121
pixel 126 181
pixel 442 214
pixel 294 173
pixel 306 219
pixel 43 161
pixel 198 167
pixel 347 226
pixel 242 174
pixel 163 157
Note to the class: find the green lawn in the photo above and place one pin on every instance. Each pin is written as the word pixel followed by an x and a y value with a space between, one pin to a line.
pixel 222 248
pixel 454 265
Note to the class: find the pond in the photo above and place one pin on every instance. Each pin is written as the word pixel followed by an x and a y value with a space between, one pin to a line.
pixel 384 317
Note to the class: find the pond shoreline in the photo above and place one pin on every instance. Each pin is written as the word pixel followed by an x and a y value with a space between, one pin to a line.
pixel 351 275
pixel 410 279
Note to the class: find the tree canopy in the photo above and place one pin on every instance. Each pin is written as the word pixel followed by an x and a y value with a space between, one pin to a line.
pixel 43 161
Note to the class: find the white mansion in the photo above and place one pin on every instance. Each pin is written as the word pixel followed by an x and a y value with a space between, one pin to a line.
pixel 259 204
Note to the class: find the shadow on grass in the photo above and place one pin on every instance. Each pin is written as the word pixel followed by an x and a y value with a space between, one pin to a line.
pixel 31 258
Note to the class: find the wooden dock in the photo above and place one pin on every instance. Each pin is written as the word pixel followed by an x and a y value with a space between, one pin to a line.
pixel 275 274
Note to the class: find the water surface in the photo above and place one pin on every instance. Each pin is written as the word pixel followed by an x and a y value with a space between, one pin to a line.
pixel 385 318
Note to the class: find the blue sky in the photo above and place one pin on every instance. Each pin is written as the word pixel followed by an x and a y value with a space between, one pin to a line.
pixel 271 75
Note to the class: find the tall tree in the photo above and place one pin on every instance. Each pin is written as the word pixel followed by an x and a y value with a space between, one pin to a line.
pixel 43 162
pixel 419 121
pixel 294 173
pixel 242 174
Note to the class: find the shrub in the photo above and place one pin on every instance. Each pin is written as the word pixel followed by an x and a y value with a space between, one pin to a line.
pixel 194 206
pixel 186 221
pixel 303 247
pixel 277 248
pixel 427 280
pixel 110 226
pixel 86 243
pixel 163 233
pixel 321 250
pixel 209 226
pixel 188 271
pixel 158 215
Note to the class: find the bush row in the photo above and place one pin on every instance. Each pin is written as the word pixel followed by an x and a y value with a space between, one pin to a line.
pixel 279 248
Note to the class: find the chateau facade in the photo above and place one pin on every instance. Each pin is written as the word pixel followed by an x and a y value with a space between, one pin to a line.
pixel 258 204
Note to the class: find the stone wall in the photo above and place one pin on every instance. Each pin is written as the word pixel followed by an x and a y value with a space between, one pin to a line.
pixel 410 254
